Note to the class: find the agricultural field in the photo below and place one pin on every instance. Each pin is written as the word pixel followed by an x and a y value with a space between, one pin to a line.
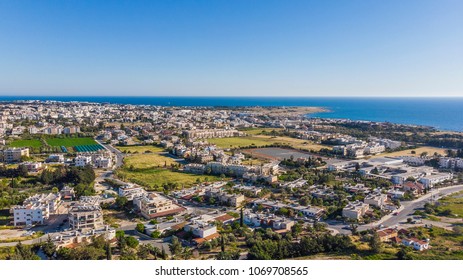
pixel 140 149
pixel 34 143
pixel 263 140
pixel 71 142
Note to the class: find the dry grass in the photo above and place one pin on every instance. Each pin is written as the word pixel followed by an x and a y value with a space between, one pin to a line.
pixel 263 140
pixel 148 161
pixel 140 149
pixel 418 151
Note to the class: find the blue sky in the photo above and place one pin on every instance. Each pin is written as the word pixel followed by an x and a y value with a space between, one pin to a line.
pixel 232 47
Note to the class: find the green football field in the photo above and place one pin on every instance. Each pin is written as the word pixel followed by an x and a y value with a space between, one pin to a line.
pixel 34 143
pixel 71 142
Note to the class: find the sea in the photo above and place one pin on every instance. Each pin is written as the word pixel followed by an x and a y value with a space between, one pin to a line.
pixel 441 113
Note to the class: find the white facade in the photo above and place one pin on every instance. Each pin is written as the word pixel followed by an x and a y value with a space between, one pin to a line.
pixel 15 154
pixel 355 210
pixel 82 161
pixel 130 192
pixel 36 209
pixel 376 199
pixel 430 180
pixel 29 215
pixel 102 162
pixel 201 229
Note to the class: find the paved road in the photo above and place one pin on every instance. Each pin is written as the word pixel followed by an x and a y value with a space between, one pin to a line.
pixel 119 154
pixel 30 241
pixel 407 210
pixel 409 207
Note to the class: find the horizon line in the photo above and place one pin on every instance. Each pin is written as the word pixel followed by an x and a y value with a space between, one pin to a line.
pixel 228 96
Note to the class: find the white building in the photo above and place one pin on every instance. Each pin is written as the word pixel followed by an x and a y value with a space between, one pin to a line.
pixel 373 149
pixel 55 158
pixel 131 191
pixel 376 199
pixel 35 209
pixel 416 244
pixel 430 180
pixel 82 161
pixel 29 215
pixel 312 212
pixel 355 210
pixel 413 161
pixel 152 205
pixel 86 216
pixel 451 163
pixel 200 228
pixel 102 162
pixel 32 166
pixel 15 154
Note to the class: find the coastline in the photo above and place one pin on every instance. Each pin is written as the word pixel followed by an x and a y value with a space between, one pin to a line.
pixel 443 114
pixel 279 111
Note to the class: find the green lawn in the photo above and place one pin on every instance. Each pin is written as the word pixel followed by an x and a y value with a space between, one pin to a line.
pixel 71 142
pixel 34 143
pixel 454 203
pixel 147 169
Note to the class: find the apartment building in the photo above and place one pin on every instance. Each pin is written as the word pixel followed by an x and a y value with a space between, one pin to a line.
pixel 234 200
pixel 414 161
pixel 430 180
pixel 14 154
pixel 131 191
pixel 71 130
pixel 82 161
pixel 374 148
pixel 102 162
pixel 376 199
pixel 35 209
pixel 355 210
pixel 152 205
pixel 224 168
pixel 212 133
pixel 29 215
pixel 195 168
pixel 451 163
pixel 84 216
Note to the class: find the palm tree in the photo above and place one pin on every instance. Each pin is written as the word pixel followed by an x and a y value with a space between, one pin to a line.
pixel 187 253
